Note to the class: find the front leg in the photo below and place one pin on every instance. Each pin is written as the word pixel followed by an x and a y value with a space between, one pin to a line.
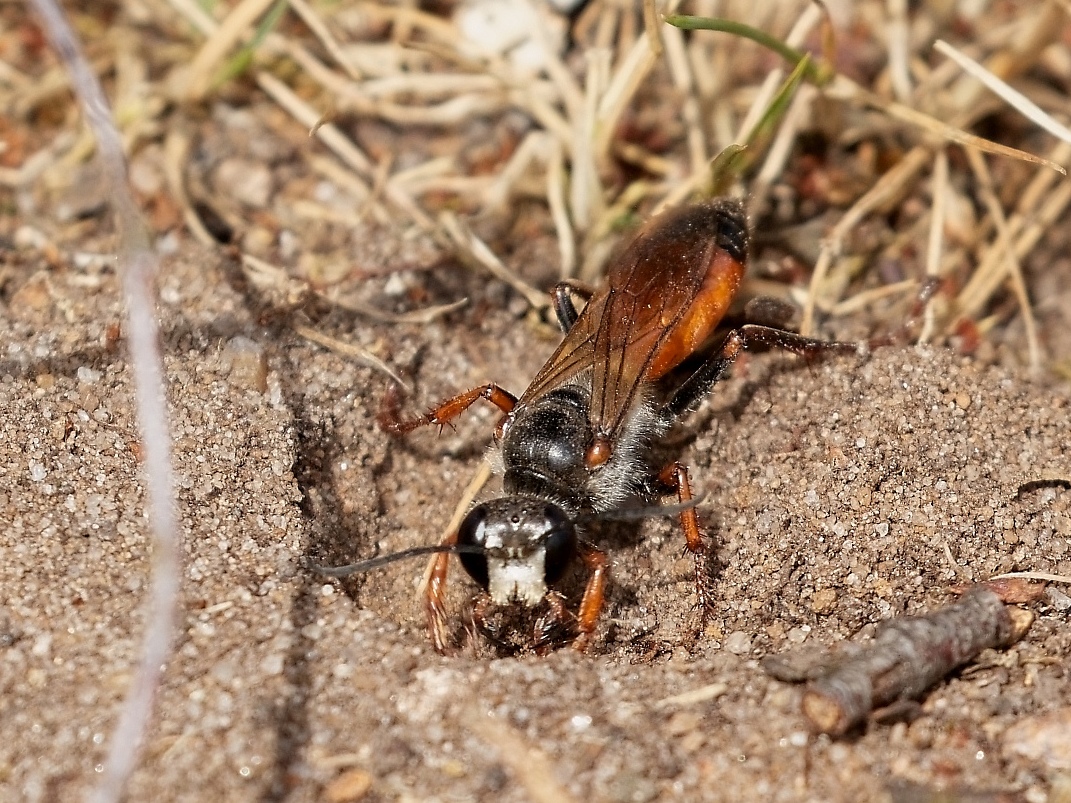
pixel 435 598
pixel 594 593
pixel 554 626
pixel 450 409
pixel 482 626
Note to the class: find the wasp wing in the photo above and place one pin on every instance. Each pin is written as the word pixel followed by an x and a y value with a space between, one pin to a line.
pixel 664 296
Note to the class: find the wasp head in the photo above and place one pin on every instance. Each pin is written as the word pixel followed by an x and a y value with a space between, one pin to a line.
pixel 526 544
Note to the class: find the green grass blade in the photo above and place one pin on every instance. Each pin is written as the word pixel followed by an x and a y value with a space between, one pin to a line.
pixel 819 75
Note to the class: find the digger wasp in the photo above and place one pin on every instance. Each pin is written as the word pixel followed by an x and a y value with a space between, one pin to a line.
pixel 577 444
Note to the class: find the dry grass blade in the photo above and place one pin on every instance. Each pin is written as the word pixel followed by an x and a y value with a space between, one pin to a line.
pixel 935 245
pixel 317 26
pixel 530 765
pixel 420 316
pixel 890 185
pixel 34 166
pixel 474 252
pixel 939 128
pixel 558 211
pixel 867 297
pixel 177 148
pixel 781 147
pixel 220 43
pixel 1039 207
pixel 760 102
pixel 195 15
pixel 585 189
pixel 703 694
pixel 356 353
pixel 681 70
pixel 337 142
pixel 1003 242
pixel 265 276
pixel 534 147
pixel 623 85
pixel 569 92
pixel 1017 100
pixel 294 105
pixel 139 266
pixel 479 479
pixel 899 53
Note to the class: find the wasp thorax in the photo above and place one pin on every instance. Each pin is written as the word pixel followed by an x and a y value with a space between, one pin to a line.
pixel 547 441
pixel 528 543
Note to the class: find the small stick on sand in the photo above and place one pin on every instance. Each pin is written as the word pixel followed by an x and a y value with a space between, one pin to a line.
pixel 908 655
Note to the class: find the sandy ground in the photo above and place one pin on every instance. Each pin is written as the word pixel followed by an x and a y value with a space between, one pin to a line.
pixel 837 496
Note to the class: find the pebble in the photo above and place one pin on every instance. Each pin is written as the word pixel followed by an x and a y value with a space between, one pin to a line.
pixel 349 786
pixel 1045 739
pixel 250 182
pixel 89 375
pixel 247 363
pixel 738 643
pixel 824 601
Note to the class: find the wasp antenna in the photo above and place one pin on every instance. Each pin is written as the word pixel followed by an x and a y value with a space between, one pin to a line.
pixel 383 560
pixel 645 512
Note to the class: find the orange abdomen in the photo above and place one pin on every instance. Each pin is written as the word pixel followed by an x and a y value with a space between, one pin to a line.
pixel 701 318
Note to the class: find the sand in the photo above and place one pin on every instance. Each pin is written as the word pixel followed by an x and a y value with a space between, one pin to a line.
pixel 837 495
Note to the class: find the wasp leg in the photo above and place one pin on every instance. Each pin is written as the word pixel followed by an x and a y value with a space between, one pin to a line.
pixel 562 301
pixel 769 311
pixel 481 620
pixel 555 626
pixel 435 599
pixel 594 594
pixel 451 409
pixel 711 372
pixel 675 477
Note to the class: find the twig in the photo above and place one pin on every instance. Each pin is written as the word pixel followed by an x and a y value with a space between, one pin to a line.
pixel 1040 576
pixel 907 656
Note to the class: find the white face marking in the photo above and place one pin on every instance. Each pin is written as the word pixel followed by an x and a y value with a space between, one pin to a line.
pixel 521 580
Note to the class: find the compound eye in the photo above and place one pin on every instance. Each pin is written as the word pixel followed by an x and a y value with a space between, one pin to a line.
pixel 473 533
pixel 560 544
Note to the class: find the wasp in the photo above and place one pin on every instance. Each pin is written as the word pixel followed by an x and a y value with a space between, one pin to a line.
pixel 577 444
